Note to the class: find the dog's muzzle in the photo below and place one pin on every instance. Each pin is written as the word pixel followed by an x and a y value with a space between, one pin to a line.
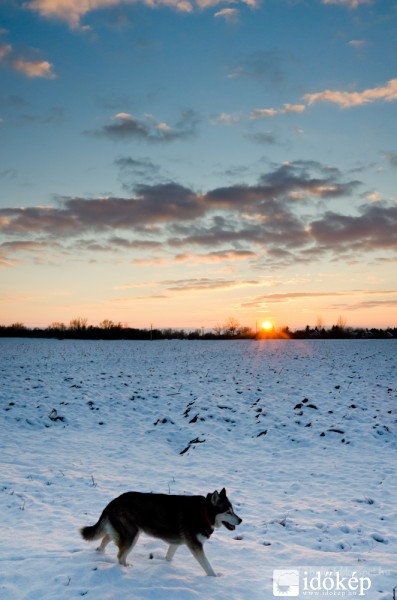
pixel 232 526
pixel 229 526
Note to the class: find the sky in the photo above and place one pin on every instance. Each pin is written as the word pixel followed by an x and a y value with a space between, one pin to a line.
pixel 178 162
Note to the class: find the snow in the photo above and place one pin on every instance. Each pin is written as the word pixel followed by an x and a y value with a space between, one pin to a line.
pixel 303 434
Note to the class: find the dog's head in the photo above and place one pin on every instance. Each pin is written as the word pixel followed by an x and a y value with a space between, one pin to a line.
pixel 224 513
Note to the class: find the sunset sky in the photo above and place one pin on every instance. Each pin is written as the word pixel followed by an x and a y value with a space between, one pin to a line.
pixel 178 162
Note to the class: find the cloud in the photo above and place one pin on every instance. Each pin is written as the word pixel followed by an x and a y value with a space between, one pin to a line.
pixel 30 68
pixel 133 170
pixel 72 11
pixel 125 127
pixel 15 247
pixel 262 137
pixel 276 221
pixel 267 218
pixel 212 3
pixel 367 304
pixel 222 231
pixel 12 100
pixel 358 44
pixel 132 286
pixel 192 284
pixel 259 301
pixel 309 177
pixel 116 244
pixel 373 197
pixel 263 65
pixel 260 113
pixel 219 256
pixel 268 205
pixel 7 263
pixel 55 114
pixel 287 297
pixel 348 3
pixel 142 169
pixel 387 93
pixel 374 228
pixel 33 68
pixel 5 50
pixel 21 245
pixel 204 283
pixel 226 119
pixel 392 158
pixel 231 15
pixel 134 244
pixel 154 204
pixel 140 165
pixel 8 174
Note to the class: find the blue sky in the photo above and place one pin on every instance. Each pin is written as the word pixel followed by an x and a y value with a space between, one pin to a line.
pixel 177 163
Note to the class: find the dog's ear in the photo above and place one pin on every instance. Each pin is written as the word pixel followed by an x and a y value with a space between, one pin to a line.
pixel 223 493
pixel 215 498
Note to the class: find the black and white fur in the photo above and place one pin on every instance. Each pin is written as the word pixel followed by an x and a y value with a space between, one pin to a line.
pixel 175 519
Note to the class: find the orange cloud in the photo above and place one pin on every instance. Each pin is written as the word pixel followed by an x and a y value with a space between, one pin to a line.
pixel 231 15
pixel 273 112
pixel 29 68
pixel 39 68
pixel 72 11
pixel 386 93
pixel 5 49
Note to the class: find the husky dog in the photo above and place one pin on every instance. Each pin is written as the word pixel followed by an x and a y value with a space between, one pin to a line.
pixel 174 519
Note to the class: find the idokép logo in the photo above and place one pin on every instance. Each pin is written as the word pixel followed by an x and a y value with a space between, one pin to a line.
pixel 305 583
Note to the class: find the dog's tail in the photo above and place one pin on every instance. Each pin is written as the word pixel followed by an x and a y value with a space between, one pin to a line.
pixel 94 532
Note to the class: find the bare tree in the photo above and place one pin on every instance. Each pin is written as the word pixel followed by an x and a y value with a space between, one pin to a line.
pixel 18 325
pixel 231 326
pixel 78 324
pixel 341 322
pixel 218 329
pixel 245 331
pixel 58 326
pixel 109 324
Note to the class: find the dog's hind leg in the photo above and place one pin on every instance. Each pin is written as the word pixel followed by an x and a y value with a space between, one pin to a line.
pixel 105 541
pixel 125 545
pixel 172 548
pixel 198 553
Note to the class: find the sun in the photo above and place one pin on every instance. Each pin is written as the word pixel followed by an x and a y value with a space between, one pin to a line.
pixel 267 325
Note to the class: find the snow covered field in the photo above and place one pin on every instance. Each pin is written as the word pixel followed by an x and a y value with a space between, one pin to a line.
pixel 303 434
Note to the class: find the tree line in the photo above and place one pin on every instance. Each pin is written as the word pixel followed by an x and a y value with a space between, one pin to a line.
pixel 231 329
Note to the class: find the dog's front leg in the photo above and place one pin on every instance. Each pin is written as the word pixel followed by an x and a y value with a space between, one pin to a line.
pixel 198 553
pixel 172 548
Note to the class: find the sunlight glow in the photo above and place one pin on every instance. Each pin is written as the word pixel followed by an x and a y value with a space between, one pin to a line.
pixel 267 325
